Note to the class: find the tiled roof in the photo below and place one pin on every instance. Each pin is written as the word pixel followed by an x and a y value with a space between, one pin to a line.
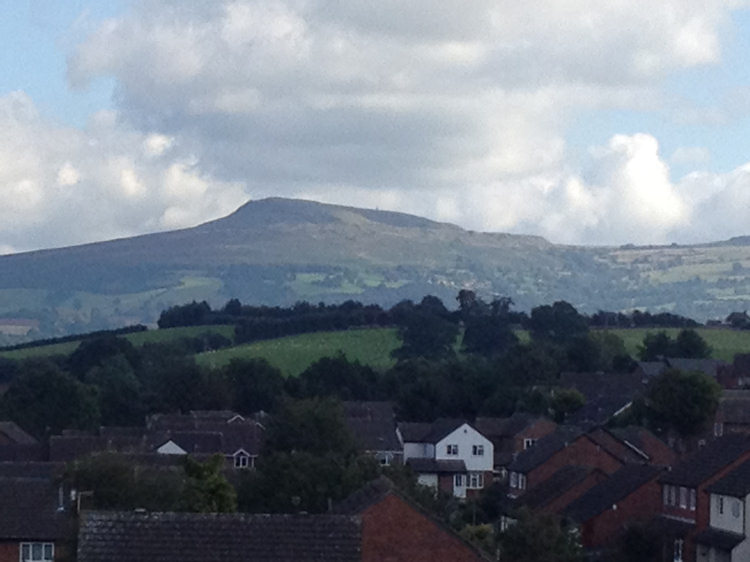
pixel 544 448
pixel 723 540
pixel 15 434
pixel 604 495
pixel 617 447
pixel 709 460
pixel 652 368
pixel 554 486
pixel 429 432
pixel 734 409
pixel 436 466
pixel 194 537
pixel 413 432
pixel 736 483
pixel 504 427
pixel 373 425
pixel 605 394
pixel 707 366
pixel 29 510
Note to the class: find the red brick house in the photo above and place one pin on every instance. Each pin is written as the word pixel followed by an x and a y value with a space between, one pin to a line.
pixel 632 493
pixel 685 505
pixel 394 529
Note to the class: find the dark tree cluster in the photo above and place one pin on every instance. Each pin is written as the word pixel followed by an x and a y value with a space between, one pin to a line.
pixel 640 319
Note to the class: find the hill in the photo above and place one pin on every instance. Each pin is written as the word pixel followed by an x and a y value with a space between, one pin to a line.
pixel 279 251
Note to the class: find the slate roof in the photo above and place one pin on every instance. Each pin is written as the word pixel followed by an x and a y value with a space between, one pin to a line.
pixel 723 540
pixel 431 432
pixel 736 483
pixel 707 461
pixel 504 427
pixel 605 394
pixel 604 495
pixel 373 425
pixel 554 486
pixel 15 434
pixel 734 408
pixel 652 368
pixel 29 510
pixel 436 465
pixel 413 432
pixel 616 446
pixel 544 448
pixel 709 367
pixel 196 537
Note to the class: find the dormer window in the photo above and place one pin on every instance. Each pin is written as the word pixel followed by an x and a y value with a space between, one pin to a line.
pixel 242 460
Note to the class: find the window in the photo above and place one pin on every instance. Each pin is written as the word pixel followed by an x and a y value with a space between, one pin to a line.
pixel 527 443
pixel 672 495
pixel 521 481
pixel 476 480
pixel 665 494
pixel 720 501
pixel 477 450
pixel 385 460
pixel 683 497
pixel 678 550
pixel 718 429
pixel 241 461
pixel 692 499
pixel 514 480
pixel 736 508
pixel 458 481
pixel 451 449
pixel 37 552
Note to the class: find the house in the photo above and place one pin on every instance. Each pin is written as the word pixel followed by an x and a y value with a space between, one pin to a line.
pixel 733 413
pixel 736 375
pixel 201 537
pixel 512 435
pixel 727 537
pixel 631 493
pixel 685 511
pixel 564 486
pixel 36 519
pixel 373 425
pixel 450 455
pixel 709 367
pixel 567 446
pixel 606 394
pixel 643 441
pixel 395 529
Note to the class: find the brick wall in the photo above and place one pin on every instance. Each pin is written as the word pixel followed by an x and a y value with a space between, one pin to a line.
pixel 8 551
pixel 393 531
pixel 575 492
pixel 537 430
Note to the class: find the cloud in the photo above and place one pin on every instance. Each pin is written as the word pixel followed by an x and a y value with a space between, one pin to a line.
pixel 64 186
pixel 454 113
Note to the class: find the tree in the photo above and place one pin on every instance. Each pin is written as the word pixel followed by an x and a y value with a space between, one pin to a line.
pixel 206 488
pixel 539 538
pixel 558 323
pixel 687 344
pixel 337 376
pixel 566 401
pixel 690 344
pixel 488 335
pixel 655 346
pixel 254 385
pixel 426 335
pixel 681 401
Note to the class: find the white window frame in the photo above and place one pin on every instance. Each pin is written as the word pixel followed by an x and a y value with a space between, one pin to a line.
pixel 683 497
pixel 514 479
pixel 451 449
pixel 692 499
pixel 521 481
pixel 29 546
pixel 458 480
pixel 476 481
pixel 678 546
pixel 241 460
pixel 528 442
pixel 673 495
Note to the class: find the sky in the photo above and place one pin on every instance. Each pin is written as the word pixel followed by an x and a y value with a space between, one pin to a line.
pixel 582 121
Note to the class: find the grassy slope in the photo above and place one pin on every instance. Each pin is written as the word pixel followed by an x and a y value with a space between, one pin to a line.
pixel 370 346
pixel 137 339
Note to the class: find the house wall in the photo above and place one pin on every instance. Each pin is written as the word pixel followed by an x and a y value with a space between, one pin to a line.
pixel 581 452
pixel 466 437
pixel 642 504
pixel 10 551
pixel 575 492
pixel 394 531
pixel 726 519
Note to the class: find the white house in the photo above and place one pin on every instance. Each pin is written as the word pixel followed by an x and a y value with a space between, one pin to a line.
pixel 726 538
pixel 449 455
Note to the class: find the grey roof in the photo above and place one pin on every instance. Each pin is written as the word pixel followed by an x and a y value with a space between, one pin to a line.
pixel 604 495
pixel 373 425
pixel 505 427
pixel 436 465
pixel 195 537
pixel 723 540
pixel 413 432
pixel 544 448
pixel 734 409
pixel 48 470
pixel 709 367
pixel 707 461
pixel 370 494
pixel 69 447
pixel 736 483
pixel 554 486
pixel 671 526
pixel 605 394
pixel 15 434
pixel 652 368
pixel 29 510
pixel 431 432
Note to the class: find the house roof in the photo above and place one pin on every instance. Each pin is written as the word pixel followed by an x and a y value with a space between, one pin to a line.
pixel 29 510
pixel 48 470
pixel 68 447
pixel 553 487
pixel 734 409
pixel 607 493
pixel 652 368
pixel 724 540
pixel 671 526
pixel 430 466
pixel 197 537
pixel 616 446
pixel 709 367
pixel 736 483
pixel 505 427
pixel 373 425
pixel 413 432
pixel 707 461
pixel 605 394
pixel 370 494
pixel 429 433
pixel 15 434
pixel 544 448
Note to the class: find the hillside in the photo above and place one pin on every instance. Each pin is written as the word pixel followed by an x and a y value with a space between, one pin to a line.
pixel 279 251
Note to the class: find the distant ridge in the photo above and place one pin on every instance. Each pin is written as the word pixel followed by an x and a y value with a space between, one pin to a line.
pixel 278 251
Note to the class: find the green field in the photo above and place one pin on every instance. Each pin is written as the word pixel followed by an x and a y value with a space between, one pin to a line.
pixel 136 338
pixel 724 342
pixel 293 354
